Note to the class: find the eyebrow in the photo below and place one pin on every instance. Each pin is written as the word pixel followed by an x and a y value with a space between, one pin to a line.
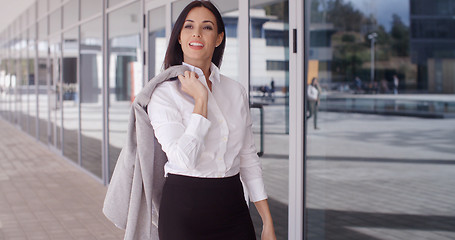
pixel 205 21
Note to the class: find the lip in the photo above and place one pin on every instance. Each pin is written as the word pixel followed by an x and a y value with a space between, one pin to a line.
pixel 199 45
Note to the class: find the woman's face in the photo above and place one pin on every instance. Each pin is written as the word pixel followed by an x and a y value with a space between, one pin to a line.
pixel 199 36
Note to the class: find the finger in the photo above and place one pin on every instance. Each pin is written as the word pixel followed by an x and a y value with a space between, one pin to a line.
pixel 193 75
pixel 187 74
pixel 181 77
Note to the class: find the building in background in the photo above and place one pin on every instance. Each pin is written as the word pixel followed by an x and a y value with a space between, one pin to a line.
pixel 433 44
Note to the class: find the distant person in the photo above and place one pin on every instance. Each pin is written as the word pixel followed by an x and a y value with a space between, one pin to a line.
pixel 358 84
pixel 384 86
pixel 313 93
pixel 396 82
pixel 272 86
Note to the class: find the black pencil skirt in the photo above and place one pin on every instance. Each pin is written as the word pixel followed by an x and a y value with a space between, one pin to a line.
pixel 204 208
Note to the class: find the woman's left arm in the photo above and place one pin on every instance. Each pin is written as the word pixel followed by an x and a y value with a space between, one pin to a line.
pixel 251 173
pixel 268 231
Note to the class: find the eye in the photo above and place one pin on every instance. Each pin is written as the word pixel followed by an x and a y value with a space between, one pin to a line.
pixel 189 26
pixel 208 27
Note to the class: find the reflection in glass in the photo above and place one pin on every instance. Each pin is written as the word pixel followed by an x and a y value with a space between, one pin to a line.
pixel 54 4
pixel 125 73
pixel 43 98
pixel 381 165
pixel 15 80
pixel 70 13
pixel 269 81
pixel 91 75
pixel 55 23
pixel 55 106
pixel 23 83
pixel 31 81
pixel 111 3
pixel 3 71
pixel 42 8
pixel 157 41
pixel 90 8
pixel 70 95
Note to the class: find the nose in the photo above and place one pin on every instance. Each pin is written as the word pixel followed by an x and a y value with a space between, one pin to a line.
pixel 196 34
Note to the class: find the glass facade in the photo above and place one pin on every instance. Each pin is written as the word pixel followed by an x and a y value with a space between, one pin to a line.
pixel 378 144
pixel 91 86
pixel 380 151
pixel 70 95
pixel 125 73
pixel 269 100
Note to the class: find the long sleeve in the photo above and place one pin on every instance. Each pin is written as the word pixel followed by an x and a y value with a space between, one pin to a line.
pixel 182 144
pixel 250 165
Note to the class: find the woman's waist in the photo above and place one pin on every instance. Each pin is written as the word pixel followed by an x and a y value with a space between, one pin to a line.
pixel 194 181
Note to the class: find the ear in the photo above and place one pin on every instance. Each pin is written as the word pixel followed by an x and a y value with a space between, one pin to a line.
pixel 219 39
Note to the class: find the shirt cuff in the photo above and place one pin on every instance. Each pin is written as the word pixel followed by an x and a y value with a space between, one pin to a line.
pixel 198 126
pixel 256 190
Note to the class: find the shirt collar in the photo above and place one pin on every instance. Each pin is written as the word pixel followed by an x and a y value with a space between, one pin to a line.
pixel 214 71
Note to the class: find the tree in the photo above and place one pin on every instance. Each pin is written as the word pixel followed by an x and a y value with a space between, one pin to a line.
pixel 344 16
pixel 400 37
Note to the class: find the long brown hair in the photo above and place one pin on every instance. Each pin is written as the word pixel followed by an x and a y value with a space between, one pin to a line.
pixel 174 53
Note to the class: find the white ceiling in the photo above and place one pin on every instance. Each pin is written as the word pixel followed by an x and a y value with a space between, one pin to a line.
pixel 10 10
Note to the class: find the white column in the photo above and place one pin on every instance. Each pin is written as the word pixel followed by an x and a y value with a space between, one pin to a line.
pixel 296 118
pixel 244 43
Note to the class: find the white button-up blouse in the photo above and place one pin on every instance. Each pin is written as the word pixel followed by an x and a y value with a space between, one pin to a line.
pixel 220 145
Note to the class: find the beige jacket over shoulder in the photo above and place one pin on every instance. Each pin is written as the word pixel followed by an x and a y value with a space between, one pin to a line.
pixel 134 193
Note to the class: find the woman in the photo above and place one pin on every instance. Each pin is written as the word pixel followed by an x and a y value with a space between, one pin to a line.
pixel 202 122
pixel 313 101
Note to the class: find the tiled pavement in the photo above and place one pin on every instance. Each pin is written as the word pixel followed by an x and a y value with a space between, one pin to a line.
pixel 43 196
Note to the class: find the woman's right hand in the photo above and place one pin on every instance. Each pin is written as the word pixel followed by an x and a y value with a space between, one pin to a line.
pixel 193 87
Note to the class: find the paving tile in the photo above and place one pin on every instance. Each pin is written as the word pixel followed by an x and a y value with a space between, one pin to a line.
pixel 44 197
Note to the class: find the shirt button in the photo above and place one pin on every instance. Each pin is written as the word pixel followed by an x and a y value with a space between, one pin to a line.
pixel 220 120
pixel 225 139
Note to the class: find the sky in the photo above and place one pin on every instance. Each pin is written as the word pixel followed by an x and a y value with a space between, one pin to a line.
pixel 384 9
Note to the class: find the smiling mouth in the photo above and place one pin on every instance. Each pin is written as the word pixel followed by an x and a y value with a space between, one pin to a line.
pixel 196 44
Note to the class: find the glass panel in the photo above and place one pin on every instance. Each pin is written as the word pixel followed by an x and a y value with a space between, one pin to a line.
pixel 42 81
pixel 125 73
pixel 54 4
pixel 111 3
pixel 42 29
pixel 54 93
pixel 381 164
pixel 15 79
pixel 23 82
pixel 31 81
pixel 31 14
pixel 90 8
pixel 3 69
pixel 70 95
pixel 157 40
pixel 70 13
pixel 91 75
pixel 42 8
pixel 55 23
pixel 177 7
pixel 269 81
